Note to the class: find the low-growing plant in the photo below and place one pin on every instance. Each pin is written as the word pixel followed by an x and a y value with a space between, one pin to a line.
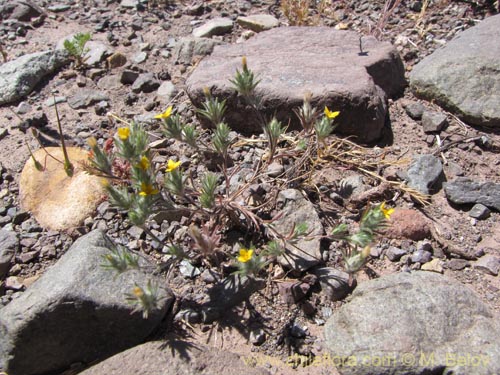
pixel 307 114
pixel 211 202
pixel 212 109
pixel 387 11
pixel 76 47
pixel 120 259
pixel 304 12
pixel 420 22
pixel 296 11
pixel 273 131
pixel 249 263
pixel 144 299
pixel 356 247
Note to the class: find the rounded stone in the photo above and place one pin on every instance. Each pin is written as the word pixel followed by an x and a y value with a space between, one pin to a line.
pixel 57 201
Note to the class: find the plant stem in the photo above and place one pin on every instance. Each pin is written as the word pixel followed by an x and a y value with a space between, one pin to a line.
pixel 68 167
pixel 152 235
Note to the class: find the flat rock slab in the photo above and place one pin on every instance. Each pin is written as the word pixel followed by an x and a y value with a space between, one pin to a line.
pixel 57 8
pixel 216 26
pixel 463 76
pixel 186 49
pixel 59 202
pixel 85 98
pixel 292 60
pixel 258 22
pixel 174 358
pixel 414 323
pixel 20 76
pixel 75 312
pixel 97 52
pixel 465 191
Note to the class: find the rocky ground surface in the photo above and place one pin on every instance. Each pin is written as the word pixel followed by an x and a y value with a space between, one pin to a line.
pixel 140 58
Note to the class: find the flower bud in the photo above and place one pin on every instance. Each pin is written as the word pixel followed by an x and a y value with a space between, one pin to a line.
pixel 92 142
pixel 104 182
pixel 366 252
pixel 138 292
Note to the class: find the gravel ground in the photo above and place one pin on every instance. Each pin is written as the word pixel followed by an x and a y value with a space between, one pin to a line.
pixel 154 31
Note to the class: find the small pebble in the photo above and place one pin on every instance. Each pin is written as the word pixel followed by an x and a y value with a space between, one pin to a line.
pixel 479 212
pixel 257 337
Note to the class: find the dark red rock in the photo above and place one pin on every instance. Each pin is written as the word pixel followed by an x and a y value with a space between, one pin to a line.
pixel 410 224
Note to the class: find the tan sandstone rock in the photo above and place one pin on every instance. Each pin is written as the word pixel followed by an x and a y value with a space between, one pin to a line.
pixel 59 202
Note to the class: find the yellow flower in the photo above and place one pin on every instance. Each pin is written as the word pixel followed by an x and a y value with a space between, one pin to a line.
pixel 165 115
pixel 331 115
pixel 172 165
pixel 387 212
pixel 245 255
pixel 147 189
pixel 144 163
pixel 138 292
pixel 123 133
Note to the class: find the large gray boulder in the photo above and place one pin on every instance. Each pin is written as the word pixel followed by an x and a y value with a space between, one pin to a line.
pixel 292 60
pixel 174 358
pixel 463 77
pixel 20 76
pixel 414 323
pixel 75 312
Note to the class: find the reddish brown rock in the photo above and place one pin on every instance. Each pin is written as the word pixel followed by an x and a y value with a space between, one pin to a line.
pixel 116 60
pixel 290 61
pixel 410 224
